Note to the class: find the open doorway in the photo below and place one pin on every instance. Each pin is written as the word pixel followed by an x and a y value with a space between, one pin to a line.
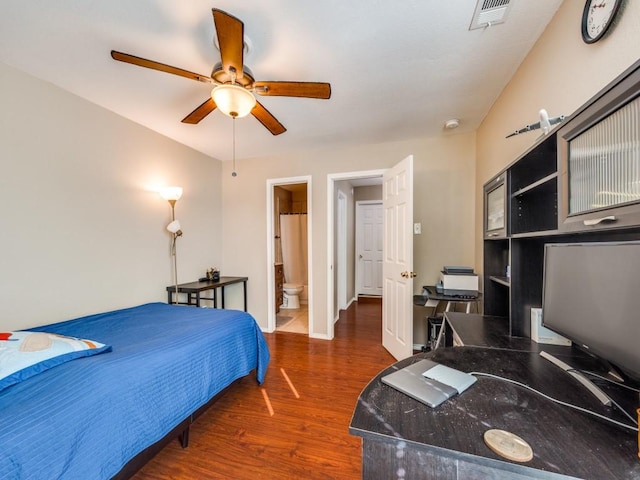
pixel 289 252
pixel 344 191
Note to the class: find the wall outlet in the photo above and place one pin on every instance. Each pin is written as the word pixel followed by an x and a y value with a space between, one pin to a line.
pixel 417 228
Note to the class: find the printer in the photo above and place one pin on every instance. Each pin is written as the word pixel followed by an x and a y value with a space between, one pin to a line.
pixel 458 281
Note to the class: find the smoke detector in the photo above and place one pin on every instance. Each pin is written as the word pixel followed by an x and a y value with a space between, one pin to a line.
pixel 490 12
pixel 451 124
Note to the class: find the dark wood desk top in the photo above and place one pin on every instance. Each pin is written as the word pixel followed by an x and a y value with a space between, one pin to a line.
pixel 194 287
pixel 493 332
pixel 564 441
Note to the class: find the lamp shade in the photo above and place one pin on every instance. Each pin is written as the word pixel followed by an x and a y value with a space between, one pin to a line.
pixel 233 100
pixel 171 193
pixel 174 227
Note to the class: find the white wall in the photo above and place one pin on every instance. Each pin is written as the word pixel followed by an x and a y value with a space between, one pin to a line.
pixel 559 74
pixel 370 192
pixel 82 231
pixel 444 179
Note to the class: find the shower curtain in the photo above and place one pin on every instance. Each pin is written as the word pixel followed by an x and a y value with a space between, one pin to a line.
pixel 293 236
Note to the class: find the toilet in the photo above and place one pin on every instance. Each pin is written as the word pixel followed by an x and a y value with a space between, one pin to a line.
pixel 291 292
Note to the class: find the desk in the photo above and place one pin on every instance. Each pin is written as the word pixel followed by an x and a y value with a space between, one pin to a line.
pixel 452 299
pixel 194 289
pixel 432 295
pixel 400 434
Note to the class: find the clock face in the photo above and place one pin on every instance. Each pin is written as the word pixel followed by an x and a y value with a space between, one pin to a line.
pixel 597 17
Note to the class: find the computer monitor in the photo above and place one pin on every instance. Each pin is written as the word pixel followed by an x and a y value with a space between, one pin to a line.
pixel 591 295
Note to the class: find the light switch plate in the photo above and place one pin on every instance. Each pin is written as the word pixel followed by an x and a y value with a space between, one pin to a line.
pixel 417 228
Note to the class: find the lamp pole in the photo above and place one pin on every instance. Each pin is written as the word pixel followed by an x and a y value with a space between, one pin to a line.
pixel 172 202
pixel 173 194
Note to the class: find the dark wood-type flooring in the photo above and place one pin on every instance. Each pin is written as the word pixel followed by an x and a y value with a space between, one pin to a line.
pixel 306 437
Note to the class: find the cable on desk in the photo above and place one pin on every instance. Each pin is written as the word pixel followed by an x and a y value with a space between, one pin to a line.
pixel 555 400
pixel 593 374
pixel 615 383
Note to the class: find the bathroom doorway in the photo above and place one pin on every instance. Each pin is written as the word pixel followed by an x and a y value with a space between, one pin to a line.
pixel 289 246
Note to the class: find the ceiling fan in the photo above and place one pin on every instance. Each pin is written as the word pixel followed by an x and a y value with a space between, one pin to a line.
pixel 234 89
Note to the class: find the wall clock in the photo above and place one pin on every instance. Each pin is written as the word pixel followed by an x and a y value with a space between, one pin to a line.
pixel 597 18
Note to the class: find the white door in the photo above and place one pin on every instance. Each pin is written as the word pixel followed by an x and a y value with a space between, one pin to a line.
pixel 369 225
pixel 397 269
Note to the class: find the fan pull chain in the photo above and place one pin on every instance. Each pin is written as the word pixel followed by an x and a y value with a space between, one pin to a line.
pixel 234 173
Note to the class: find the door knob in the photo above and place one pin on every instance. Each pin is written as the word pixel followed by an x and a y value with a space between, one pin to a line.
pixel 360 256
pixel 408 274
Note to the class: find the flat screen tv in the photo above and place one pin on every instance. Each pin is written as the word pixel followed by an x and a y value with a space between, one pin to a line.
pixel 591 295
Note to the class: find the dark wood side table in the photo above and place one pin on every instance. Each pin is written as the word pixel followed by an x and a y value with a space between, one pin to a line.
pixel 193 291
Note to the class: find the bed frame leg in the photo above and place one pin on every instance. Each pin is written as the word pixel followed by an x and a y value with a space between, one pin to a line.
pixel 184 438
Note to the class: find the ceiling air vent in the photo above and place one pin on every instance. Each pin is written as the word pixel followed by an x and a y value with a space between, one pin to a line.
pixel 490 12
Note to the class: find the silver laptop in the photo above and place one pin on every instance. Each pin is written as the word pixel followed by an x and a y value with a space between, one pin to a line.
pixel 413 381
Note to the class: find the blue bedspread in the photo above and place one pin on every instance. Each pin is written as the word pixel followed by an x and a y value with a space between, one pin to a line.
pixel 87 418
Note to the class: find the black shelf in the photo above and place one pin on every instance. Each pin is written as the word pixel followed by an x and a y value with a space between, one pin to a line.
pixel 504 281
pixel 534 185
pixel 541 233
pixel 535 208
pixel 539 162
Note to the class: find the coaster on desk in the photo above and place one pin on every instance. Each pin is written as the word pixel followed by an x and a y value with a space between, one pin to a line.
pixel 508 445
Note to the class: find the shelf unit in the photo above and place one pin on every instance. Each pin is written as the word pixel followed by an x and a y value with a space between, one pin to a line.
pixel 536 210
pixel 533 189
pixel 496 283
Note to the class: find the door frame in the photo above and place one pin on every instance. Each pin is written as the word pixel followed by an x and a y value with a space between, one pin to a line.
pixel 271 287
pixel 342 251
pixel 332 178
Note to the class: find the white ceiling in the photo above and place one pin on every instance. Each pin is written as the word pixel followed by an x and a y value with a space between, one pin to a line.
pixel 398 69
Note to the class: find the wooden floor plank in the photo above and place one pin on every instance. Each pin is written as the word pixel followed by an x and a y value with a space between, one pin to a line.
pixel 306 437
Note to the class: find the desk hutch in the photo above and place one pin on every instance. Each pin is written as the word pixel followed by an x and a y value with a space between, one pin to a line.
pixel 554 193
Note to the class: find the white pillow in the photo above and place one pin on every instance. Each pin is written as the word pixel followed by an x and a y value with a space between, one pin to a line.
pixel 25 354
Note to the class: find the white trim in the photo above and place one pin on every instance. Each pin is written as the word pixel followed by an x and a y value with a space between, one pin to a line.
pixel 331 179
pixel 271 288
pixel 342 251
pixel 354 299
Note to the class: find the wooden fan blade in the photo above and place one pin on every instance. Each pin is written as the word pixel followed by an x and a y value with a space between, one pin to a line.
pixel 294 89
pixel 199 113
pixel 143 62
pixel 230 31
pixel 268 120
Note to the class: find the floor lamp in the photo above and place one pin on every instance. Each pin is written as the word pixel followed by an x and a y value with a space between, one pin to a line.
pixel 172 195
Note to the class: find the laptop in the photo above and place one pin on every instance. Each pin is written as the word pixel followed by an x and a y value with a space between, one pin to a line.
pixel 429 382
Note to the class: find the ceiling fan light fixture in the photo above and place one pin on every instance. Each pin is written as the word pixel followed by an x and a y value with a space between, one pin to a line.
pixel 233 100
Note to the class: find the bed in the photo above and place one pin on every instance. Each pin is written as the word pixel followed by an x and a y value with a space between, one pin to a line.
pixel 96 417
